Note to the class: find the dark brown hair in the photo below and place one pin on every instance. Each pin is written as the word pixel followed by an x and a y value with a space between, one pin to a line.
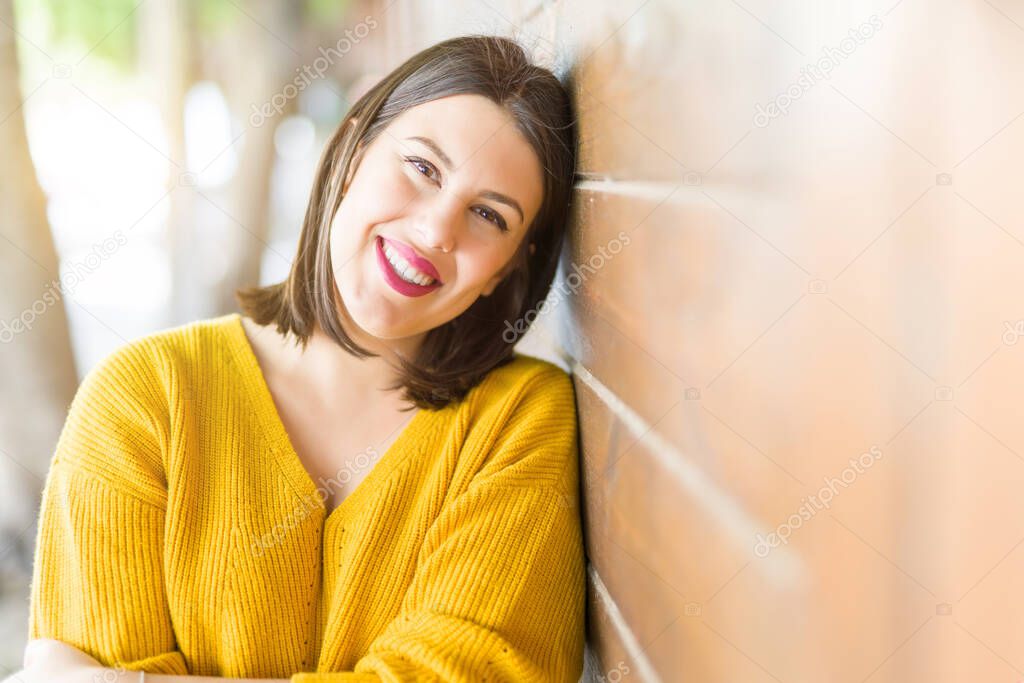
pixel 455 356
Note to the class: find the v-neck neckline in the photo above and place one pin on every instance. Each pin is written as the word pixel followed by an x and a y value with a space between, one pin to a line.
pixel 274 431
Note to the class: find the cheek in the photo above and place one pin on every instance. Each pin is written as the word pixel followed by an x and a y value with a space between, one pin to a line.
pixel 383 187
pixel 349 233
pixel 399 192
pixel 481 265
pixel 371 200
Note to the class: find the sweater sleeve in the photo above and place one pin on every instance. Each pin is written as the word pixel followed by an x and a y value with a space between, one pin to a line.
pixel 97 579
pixel 499 587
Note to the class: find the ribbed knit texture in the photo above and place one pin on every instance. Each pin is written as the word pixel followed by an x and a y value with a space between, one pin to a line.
pixel 180 533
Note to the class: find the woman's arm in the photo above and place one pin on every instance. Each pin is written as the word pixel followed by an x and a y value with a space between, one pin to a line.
pixel 99 674
pixel 98 581
pixel 499 588
pixel 52 661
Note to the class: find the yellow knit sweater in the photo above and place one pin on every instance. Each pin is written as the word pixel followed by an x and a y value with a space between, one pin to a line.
pixel 179 532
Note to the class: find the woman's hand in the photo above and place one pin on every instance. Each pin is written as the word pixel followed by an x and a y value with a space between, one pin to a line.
pixel 53 661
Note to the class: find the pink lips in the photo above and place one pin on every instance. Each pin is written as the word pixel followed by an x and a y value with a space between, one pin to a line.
pixel 418 262
pixel 397 283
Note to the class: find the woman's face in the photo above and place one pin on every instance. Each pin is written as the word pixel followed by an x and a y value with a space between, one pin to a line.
pixel 448 189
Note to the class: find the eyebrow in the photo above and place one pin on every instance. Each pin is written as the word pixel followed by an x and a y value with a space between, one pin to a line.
pixel 447 162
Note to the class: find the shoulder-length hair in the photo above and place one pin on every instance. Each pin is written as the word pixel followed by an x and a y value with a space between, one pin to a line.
pixel 456 355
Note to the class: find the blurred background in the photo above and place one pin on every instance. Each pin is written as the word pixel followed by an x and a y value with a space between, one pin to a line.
pixel 790 300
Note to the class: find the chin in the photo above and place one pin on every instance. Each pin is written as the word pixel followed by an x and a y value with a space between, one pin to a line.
pixel 372 320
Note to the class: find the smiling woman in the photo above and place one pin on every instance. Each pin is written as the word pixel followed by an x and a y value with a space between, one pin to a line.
pixel 244 497
pixel 412 212
pixel 461 161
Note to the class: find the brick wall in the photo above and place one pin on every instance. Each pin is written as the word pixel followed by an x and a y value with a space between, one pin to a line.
pixel 800 319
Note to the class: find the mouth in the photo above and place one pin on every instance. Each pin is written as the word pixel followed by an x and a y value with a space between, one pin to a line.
pixel 404 271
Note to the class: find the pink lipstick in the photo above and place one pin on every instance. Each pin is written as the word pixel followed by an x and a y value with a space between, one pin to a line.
pixel 397 283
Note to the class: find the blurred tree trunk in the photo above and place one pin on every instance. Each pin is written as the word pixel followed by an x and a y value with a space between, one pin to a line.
pixel 217 235
pixel 263 65
pixel 36 360
pixel 167 42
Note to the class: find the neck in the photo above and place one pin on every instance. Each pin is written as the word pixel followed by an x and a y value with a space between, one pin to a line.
pixel 336 375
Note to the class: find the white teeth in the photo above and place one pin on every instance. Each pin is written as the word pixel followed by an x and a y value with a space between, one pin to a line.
pixel 405 269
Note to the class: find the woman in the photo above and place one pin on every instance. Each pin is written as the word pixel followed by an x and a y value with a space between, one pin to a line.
pixel 245 496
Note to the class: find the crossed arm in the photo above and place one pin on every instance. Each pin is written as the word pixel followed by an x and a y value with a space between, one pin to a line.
pixel 53 661
pixel 498 592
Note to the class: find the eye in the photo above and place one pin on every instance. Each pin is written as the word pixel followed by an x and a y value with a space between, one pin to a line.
pixel 493 216
pixel 424 167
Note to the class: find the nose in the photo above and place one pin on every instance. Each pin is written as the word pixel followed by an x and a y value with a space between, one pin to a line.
pixel 439 222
